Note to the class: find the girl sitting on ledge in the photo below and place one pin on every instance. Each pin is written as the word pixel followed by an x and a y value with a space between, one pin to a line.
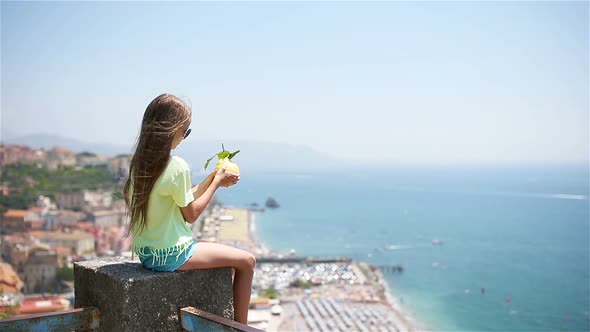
pixel 161 201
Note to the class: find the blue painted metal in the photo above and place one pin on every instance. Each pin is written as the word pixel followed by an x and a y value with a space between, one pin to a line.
pixel 193 319
pixel 75 319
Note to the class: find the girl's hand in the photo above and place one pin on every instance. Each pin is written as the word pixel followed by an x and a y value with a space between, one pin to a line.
pixel 225 179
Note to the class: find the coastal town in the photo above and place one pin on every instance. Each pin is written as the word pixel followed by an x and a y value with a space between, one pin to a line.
pixel 46 227
pixel 56 207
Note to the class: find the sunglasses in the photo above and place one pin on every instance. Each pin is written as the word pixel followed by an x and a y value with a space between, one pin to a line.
pixel 187 132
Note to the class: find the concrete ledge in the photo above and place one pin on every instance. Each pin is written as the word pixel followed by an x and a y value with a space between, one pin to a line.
pixel 133 298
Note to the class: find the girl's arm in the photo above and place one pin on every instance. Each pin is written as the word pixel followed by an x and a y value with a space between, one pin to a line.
pixel 193 210
pixel 199 189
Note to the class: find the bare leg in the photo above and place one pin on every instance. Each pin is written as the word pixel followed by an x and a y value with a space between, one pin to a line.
pixel 212 255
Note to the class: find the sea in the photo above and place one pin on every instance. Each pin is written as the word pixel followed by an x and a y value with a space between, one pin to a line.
pixel 483 248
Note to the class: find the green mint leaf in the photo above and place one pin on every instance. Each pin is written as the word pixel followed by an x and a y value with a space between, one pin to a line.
pixel 223 154
pixel 231 155
pixel 208 161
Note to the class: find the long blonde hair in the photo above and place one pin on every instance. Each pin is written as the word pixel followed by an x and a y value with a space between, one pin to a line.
pixel 163 117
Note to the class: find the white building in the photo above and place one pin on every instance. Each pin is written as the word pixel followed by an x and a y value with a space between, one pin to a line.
pixel 80 243
pixel 107 218
pixel 85 200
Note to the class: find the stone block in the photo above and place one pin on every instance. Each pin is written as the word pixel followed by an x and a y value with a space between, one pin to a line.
pixel 133 298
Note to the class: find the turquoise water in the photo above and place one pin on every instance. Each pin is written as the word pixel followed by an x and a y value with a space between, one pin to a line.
pixel 520 233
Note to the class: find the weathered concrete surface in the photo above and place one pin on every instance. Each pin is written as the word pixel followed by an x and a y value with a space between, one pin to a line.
pixel 133 298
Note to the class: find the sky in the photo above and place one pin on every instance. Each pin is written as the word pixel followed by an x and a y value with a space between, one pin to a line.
pixel 383 82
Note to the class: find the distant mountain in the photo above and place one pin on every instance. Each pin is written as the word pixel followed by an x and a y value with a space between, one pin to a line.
pixel 258 155
pixel 255 156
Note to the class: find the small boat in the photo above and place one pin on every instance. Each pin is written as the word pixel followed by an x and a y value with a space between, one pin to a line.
pixel 436 242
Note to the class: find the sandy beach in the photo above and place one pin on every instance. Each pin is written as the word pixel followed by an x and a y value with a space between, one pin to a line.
pixel 355 287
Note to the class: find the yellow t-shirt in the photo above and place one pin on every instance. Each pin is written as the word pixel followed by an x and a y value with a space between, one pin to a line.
pixel 166 228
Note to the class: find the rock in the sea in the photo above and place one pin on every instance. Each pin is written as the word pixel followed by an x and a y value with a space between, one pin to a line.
pixel 272 203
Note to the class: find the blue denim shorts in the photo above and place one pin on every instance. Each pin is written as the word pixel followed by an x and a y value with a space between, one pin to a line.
pixel 168 260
